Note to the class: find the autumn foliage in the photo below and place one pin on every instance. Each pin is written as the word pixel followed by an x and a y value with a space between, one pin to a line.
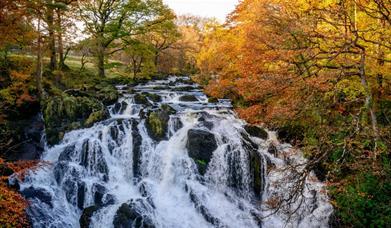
pixel 12 204
pixel 319 73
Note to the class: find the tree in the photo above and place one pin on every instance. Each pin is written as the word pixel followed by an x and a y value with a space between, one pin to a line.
pixel 110 20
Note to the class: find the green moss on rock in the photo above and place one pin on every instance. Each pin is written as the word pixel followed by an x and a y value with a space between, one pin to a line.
pixel 96 117
pixel 64 113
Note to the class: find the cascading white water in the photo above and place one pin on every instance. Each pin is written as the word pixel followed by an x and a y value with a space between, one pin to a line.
pixel 115 174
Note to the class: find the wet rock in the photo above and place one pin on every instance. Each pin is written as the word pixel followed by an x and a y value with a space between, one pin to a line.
pixel 38 193
pixel 204 211
pixel 120 107
pixel 64 113
pixel 96 117
pixel 5 170
pixel 67 154
pixel 27 139
pixel 99 191
pixel 213 100
pixel 188 98
pixel 157 122
pixel 153 97
pixel 137 141
pixel 256 131
pixel 109 199
pixel 129 215
pixel 177 124
pixel 141 99
pixel 85 218
pixel 81 194
pixel 257 172
pixel 200 146
pixel 92 158
pixel 290 133
pixel 62 169
pixel 70 188
pixel 250 143
pixel 273 150
pixel 183 88
pixel 235 177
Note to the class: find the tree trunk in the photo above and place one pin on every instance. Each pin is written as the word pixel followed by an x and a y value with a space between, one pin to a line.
pixel 156 60
pixel 60 43
pixel 52 38
pixel 369 99
pixel 101 60
pixel 38 75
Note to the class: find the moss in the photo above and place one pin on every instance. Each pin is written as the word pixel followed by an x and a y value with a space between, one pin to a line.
pixel 141 99
pixel 156 126
pixel 202 166
pixel 96 117
pixel 107 94
pixel 64 113
pixel 213 100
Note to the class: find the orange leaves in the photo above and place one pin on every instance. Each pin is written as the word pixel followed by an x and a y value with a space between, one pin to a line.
pixel 12 204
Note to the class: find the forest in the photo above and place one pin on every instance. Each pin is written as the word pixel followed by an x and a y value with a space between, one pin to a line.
pixel 316 72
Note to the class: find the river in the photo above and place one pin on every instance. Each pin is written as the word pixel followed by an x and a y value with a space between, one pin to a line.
pixel 169 158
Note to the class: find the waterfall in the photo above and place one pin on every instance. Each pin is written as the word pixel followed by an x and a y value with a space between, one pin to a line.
pixel 169 158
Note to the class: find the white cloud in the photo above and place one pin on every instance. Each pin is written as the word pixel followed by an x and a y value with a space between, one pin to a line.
pixel 207 8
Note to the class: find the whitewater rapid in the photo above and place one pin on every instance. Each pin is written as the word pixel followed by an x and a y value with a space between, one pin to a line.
pixel 115 174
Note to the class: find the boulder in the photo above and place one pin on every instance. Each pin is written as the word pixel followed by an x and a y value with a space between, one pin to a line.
pixel 157 122
pixel 257 172
pixel 256 131
pixel 200 146
pixel 107 94
pixel 141 99
pixel 213 100
pixel 64 113
pixel 67 154
pixel 5 170
pixel 291 133
pixel 38 193
pixel 128 215
pixel 99 191
pixel 188 98
pixel 27 139
pixel 256 168
pixel 85 218
pixel 272 150
pixel 153 97
pixel 183 88
pixel 120 107
pixel 137 141
pixel 96 117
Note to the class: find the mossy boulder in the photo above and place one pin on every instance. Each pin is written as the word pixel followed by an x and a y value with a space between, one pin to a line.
pixel 213 100
pixel 141 99
pixel 96 117
pixel 85 218
pixel 64 113
pixel 188 98
pixel 256 131
pixel 153 97
pixel 291 133
pixel 157 122
pixel 108 94
pixel 256 171
pixel 130 215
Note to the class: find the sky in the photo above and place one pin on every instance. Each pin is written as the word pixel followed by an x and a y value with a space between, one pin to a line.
pixel 207 8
